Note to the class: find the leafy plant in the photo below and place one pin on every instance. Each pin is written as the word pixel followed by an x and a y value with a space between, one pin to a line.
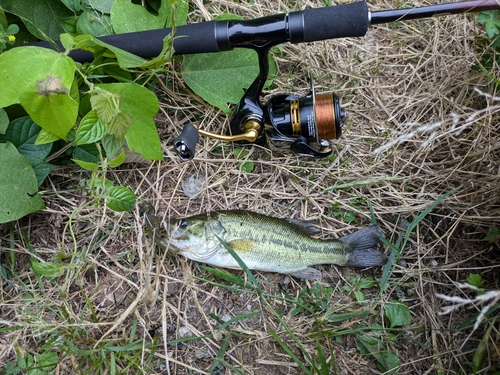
pixel 491 22
pixel 356 285
pixel 63 111
pixel 315 298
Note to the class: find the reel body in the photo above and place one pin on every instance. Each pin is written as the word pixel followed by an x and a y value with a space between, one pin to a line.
pixel 300 121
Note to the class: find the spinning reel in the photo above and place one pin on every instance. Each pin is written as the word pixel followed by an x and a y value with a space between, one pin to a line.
pixel 304 124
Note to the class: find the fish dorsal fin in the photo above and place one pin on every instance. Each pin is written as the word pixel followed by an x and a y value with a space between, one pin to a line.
pixel 306 227
pixel 242 245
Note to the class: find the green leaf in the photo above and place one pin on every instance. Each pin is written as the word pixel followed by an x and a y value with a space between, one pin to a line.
pixel 12 29
pixel 91 129
pixel 360 296
pixel 86 165
pixel 103 6
pixel 366 282
pixel 94 23
pixel 225 275
pixel 121 198
pixel 398 314
pixel 47 269
pixel 41 17
pixel 47 360
pixel 119 125
pixel 181 12
pixel 221 78
pixel 475 280
pixel 25 361
pixel 105 106
pixel 67 41
pixel 493 235
pixel 3 20
pixel 23 133
pixel 491 21
pixel 128 17
pixel 118 160
pixel 111 145
pixel 247 166
pixel 42 89
pixel 45 137
pixel 4 121
pixel 18 185
pixel 142 105
pixel 88 153
pixel 125 59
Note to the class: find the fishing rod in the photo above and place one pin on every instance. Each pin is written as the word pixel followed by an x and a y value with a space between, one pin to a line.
pixel 305 124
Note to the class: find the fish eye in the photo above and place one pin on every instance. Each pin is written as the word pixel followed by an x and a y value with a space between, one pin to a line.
pixel 183 224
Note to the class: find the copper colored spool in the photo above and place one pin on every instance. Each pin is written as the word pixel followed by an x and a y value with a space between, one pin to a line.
pixel 325 116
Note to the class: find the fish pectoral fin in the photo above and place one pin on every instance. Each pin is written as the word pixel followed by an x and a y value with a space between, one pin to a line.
pixel 242 245
pixel 308 273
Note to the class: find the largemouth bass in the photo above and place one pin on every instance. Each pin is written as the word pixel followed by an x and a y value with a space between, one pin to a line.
pixel 266 244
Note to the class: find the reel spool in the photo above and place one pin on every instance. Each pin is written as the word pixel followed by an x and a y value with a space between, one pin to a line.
pixel 299 120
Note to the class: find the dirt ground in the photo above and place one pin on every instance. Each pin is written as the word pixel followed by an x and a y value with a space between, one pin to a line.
pixel 423 121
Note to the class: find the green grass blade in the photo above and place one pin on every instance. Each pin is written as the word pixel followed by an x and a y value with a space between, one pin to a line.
pixel 288 351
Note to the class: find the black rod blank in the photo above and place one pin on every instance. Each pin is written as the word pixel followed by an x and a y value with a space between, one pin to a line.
pixel 386 16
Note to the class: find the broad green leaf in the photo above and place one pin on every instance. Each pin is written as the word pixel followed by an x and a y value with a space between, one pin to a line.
pixel 69 26
pixel 25 361
pixel 87 153
pixel 116 162
pixel 3 19
pixel 67 41
pixel 45 137
pixel 181 12
pixel 103 6
pixel 41 17
pixel 42 170
pixel 23 133
pixel 121 198
pixel 221 78
pixel 4 121
pixel 119 125
pixel 142 105
pixel 105 106
pixel 74 5
pixel 111 145
pixel 128 17
pixel 90 130
pixel 86 165
pixel 18 185
pixel 94 23
pixel 47 269
pixel 42 88
pixel 47 361
pixel 398 314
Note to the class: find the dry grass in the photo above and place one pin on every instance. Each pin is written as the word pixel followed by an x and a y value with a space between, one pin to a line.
pixel 421 122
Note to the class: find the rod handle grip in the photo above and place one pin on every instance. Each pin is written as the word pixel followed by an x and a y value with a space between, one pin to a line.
pixel 341 21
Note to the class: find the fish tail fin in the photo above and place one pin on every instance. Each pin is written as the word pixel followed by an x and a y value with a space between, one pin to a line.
pixel 362 248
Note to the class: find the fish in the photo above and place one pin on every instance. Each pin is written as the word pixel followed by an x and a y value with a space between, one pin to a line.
pixel 267 243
